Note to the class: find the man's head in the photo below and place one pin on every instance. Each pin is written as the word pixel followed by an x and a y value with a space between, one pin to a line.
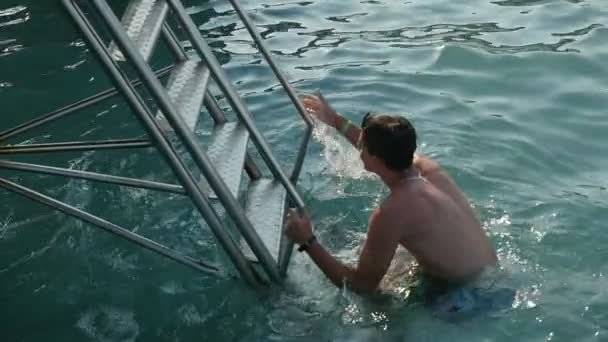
pixel 390 138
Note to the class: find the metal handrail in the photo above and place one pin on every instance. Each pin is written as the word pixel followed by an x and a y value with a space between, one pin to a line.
pixel 285 253
pixel 257 38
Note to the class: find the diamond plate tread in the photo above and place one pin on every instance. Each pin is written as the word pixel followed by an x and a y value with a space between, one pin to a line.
pixel 265 208
pixel 143 20
pixel 227 151
pixel 186 89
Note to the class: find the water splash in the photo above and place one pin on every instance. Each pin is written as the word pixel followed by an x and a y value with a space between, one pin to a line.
pixel 342 159
pixel 527 298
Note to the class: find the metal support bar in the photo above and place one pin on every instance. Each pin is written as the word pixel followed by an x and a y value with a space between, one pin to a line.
pixel 286 85
pixel 241 110
pixel 174 46
pixel 72 108
pixel 137 183
pixel 187 137
pixel 214 109
pixel 76 146
pixel 251 168
pixel 156 134
pixel 112 228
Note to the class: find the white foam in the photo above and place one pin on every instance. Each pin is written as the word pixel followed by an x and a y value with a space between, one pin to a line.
pixel 107 323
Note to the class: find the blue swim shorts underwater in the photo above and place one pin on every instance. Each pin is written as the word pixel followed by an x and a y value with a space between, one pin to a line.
pixel 464 301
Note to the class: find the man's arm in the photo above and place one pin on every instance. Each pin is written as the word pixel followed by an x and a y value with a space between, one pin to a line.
pixel 353 132
pixel 334 269
pixel 378 251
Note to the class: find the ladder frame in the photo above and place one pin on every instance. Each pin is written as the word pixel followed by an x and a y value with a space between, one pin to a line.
pixel 274 269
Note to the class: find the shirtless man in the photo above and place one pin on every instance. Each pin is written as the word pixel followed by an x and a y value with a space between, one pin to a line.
pixel 425 212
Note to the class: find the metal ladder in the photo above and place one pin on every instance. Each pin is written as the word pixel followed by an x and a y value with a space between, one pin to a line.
pixel 261 254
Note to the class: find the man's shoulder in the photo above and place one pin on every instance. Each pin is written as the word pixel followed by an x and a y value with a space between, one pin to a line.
pixel 384 215
pixel 384 223
pixel 400 210
pixel 396 219
pixel 425 164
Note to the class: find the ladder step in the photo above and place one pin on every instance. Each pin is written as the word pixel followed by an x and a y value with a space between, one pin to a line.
pixel 143 21
pixel 227 151
pixel 265 208
pixel 186 89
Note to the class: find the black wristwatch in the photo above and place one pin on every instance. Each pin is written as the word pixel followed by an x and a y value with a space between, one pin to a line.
pixel 306 245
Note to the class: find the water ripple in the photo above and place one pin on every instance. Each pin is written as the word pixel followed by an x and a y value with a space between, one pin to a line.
pixel 438 35
pixel 474 35
pixel 351 64
pixel 529 2
pixel 579 32
pixel 14 15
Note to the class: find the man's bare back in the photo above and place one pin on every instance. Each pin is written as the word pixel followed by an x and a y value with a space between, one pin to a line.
pixel 439 224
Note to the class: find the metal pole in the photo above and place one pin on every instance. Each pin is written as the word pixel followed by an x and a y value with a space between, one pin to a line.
pixel 72 108
pixel 151 125
pixel 76 146
pixel 112 228
pixel 286 85
pixel 138 183
pixel 285 255
pixel 262 47
pixel 241 110
pixel 200 158
pixel 214 109
pixel 173 43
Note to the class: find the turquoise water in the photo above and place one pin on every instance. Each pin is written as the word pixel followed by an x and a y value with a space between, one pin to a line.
pixel 510 96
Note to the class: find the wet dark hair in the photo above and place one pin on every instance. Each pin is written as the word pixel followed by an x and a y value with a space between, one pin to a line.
pixel 391 138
